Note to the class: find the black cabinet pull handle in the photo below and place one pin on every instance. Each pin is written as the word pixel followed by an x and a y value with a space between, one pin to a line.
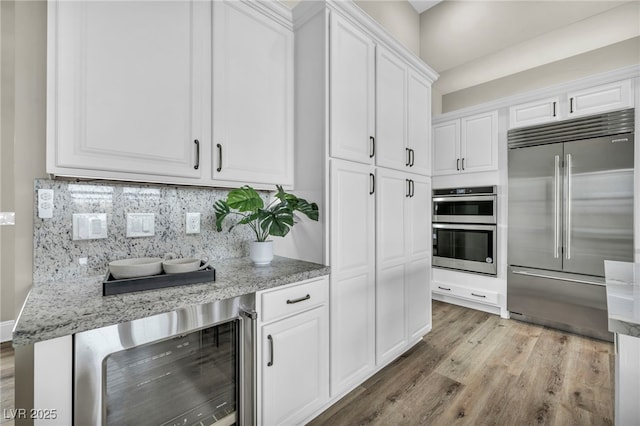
pixel 197 165
pixel 407 151
pixel 457 164
pixel 554 109
pixel 270 339
pixel 219 157
pixel 571 105
pixel 408 193
pixel 444 288
pixel 412 157
pixel 373 147
pixel 463 164
pixel 478 295
pixel 298 300
pixel 412 187
pixel 373 183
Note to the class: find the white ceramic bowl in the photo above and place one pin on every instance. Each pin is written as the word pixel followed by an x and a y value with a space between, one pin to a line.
pixel 187 264
pixel 136 267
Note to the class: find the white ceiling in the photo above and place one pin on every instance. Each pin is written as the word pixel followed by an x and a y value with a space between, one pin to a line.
pixel 422 5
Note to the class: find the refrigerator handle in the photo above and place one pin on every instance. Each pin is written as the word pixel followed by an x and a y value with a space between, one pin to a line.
pixel 567 230
pixel 556 207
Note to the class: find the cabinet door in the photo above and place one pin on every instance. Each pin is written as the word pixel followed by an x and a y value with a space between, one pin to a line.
pixel 607 97
pixel 393 192
pixel 352 99
pixel 295 367
pixel 479 142
pixel 391 108
pixel 418 270
pixel 127 84
pixel 536 112
pixel 446 148
pixel 352 257
pixel 419 123
pixel 252 96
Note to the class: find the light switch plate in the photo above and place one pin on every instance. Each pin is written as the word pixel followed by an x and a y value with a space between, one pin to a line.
pixel 192 222
pixel 140 225
pixel 89 226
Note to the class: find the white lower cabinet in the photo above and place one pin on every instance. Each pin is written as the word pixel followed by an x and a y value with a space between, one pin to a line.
pixel 470 293
pixel 352 246
pixel 294 352
pixel 627 392
pixel 402 261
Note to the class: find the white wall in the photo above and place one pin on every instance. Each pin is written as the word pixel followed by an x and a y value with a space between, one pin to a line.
pixel 469 52
pixel 399 18
pixel 23 147
pixel 615 56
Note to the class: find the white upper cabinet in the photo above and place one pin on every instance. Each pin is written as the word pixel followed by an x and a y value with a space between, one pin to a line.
pixel 129 92
pixel 607 97
pixel 419 123
pixel 402 115
pixel 352 92
pixel 252 96
pixel 446 148
pixel 468 144
pixel 536 112
pixel 479 142
pixel 126 86
pixel 391 110
pixel 593 100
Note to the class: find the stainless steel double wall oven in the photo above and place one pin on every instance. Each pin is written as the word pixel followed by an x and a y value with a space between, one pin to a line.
pixel 464 229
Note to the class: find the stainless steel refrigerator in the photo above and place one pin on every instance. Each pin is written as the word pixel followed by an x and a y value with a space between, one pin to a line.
pixel 570 207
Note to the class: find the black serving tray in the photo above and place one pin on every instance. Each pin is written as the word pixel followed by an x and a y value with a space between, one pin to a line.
pixel 111 286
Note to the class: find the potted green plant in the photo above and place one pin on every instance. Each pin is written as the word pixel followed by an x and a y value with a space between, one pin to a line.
pixel 274 219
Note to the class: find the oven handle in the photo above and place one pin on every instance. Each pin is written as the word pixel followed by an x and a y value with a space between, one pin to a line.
pixel 466 226
pixel 465 198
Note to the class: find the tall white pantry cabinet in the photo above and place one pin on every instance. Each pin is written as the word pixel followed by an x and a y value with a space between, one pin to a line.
pixel 362 148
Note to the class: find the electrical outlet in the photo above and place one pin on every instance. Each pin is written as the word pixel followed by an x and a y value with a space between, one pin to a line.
pixel 45 203
pixel 192 221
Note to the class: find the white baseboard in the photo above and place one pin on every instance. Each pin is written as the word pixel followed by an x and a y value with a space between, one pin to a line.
pixel 6 329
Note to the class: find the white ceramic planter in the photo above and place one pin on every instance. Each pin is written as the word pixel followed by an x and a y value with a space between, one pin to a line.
pixel 261 252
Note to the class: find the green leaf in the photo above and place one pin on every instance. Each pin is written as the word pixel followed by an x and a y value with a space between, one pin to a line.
pixel 308 209
pixel 278 221
pixel 245 199
pixel 222 210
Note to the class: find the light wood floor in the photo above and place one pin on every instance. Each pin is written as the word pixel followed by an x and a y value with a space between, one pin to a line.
pixel 475 368
pixel 7 382
pixel 472 369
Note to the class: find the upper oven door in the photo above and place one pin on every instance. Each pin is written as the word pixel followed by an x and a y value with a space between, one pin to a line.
pixel 465 209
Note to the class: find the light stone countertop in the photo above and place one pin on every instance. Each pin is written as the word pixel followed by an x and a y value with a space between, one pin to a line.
pixel 60 309
pixel 623 306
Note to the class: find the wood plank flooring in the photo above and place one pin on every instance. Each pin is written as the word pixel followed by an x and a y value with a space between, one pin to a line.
pixel 475 368
pixel 472 369
pixel 7 382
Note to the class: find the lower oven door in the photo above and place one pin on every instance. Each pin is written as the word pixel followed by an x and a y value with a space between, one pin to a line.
pixel 467 247
pixel 193 366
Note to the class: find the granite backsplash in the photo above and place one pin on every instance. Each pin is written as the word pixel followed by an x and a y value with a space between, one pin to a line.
pixel 57 257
